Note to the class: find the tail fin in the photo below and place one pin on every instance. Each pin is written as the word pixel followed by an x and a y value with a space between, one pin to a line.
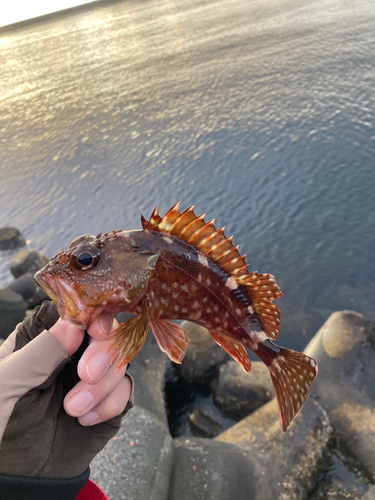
pixel 292 375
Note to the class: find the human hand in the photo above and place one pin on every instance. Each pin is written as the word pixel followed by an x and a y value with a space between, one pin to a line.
pixel 101 394
pixel 48 369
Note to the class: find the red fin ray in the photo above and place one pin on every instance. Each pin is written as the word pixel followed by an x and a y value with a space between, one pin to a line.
pixel 201 233
pixel 210 241
pixel 191 228
pixel 234 349
pixel 232 265
pixel 170 337
pixel 166 223
pixel 130 335
pixel 224 256
pixel 220 248
pixel 261 289
pixel 292 375
pixel 154 221
pixel 185 218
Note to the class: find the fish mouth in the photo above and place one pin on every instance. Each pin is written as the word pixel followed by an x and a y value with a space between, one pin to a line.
pixel 42 282
pixel 69 305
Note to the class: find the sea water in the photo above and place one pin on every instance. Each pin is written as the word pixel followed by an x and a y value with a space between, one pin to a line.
pixel 260 113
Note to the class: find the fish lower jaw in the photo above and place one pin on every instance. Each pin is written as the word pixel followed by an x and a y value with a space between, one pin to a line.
pixel 83 319
pixel 45 286
pixel 68 295
pixel 69 306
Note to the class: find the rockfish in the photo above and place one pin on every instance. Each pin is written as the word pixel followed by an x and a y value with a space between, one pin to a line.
pixel 178 267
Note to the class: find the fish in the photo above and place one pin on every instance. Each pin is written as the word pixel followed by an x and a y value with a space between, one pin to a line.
pixel 178 267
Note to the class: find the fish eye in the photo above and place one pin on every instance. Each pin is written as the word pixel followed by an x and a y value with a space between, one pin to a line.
pixel 85 258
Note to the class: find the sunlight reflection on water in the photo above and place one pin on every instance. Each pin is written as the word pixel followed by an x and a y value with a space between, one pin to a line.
pixel 259 113
pixel 21 10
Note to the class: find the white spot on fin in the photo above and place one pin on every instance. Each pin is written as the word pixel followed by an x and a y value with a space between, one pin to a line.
pixel 231 283
pixel 203 260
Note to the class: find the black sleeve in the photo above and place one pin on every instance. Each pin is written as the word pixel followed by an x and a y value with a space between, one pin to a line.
pixel 36 488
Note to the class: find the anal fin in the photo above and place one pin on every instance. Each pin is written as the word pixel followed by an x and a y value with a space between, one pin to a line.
pixel 170 337
pixel 129 337
pixel 234 349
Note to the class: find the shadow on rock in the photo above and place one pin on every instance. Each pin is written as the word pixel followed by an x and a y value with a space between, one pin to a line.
pixel 345 350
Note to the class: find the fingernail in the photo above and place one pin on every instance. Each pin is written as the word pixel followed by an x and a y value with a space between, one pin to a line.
pixel 105 322
pixel 80 402
pixel 97 366
pixel 89 419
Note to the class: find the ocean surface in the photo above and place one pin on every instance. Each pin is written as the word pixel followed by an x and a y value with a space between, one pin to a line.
pixel 260 113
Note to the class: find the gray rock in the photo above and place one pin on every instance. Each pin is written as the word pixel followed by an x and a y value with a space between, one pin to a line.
pixel 238 393
pixel 370 495
pixel 345 350
pixel 341 481
pixel 203 424
pixel 148 370
pixel 285 466
pixel 25 285
pixel 203 354
pixel 136 463
pixel 205 469
pixel 27 261
pixel 12 311
pixel 10 237
pixel 332 492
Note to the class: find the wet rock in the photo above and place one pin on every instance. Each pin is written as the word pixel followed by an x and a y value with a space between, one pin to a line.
pixel 355 425
pixel 27 261
pixel 285 466
pixel 345 350
pixel 136 463
pixel 25 285
pixel 238 393
pixel 341 481
pixel 205 469
pixel 12 311
pixel 10 237
pixel 370 495
pixel 203 354
pixel 203 424
pixel 333 492
pixel 183 398
pixel 148 370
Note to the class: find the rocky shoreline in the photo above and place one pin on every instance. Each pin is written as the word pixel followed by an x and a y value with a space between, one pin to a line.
pixel 234 448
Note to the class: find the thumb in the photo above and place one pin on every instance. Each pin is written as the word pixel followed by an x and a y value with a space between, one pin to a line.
pixel 68 335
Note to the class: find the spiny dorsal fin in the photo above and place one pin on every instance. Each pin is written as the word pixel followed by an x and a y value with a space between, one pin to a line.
pixel 260 288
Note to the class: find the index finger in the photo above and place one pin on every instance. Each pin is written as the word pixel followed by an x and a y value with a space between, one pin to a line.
pixel 101 327
pixel 96 360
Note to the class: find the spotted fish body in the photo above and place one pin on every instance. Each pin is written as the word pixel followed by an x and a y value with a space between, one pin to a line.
pixel 179 267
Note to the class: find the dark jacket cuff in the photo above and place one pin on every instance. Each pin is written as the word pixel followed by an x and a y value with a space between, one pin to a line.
pixel 36 488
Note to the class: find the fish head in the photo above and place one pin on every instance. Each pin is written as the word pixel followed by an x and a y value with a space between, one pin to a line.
pixel 95 273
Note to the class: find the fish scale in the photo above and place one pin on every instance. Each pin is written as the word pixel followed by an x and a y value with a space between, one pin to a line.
pixel 205 309
pixel 178 267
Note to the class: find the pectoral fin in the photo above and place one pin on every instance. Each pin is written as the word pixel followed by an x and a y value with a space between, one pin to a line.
pixel 129 338
pixel 234 349
pixel 170 337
